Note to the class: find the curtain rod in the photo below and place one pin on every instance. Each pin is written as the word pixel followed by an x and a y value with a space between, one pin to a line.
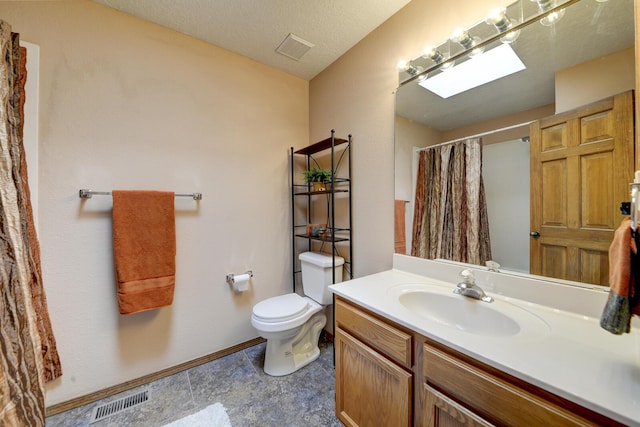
pixel 87 194
pixel 477 135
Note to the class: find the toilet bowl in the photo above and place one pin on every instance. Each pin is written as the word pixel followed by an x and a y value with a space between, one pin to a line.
pixel 291 323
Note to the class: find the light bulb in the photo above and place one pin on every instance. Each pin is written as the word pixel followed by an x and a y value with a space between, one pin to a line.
pixel 410 68
pixel 498 18
pixel 510 37
pixel 552 18
pixel 447 65
pixel 545 5
pixel 465 40
pixel 434 54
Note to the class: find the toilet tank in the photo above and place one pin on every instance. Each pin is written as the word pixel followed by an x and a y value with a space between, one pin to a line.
pixel 317 276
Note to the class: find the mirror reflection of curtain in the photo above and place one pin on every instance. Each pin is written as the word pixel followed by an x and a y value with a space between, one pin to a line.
pixel 28 355
pixel 450 216
pixel 399 226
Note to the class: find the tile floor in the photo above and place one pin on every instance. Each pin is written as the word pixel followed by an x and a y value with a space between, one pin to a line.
pixel 252 398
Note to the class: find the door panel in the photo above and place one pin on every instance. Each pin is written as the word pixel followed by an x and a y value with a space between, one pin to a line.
pixel 594 266
pixel 581 165
pixel 597 189
pixel 554 186
pixel 554 137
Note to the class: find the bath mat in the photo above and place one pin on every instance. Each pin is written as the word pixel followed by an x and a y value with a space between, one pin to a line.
pixel 212 416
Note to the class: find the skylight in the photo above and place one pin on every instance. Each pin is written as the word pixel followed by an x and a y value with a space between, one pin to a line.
pixel 481 69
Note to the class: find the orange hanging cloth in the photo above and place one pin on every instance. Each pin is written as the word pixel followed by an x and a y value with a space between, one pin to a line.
pixel 400 233
pixel 623 301
pixel 144 245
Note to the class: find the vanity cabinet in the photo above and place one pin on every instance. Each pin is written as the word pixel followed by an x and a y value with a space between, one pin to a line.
pixel 387 375
pixel 374 382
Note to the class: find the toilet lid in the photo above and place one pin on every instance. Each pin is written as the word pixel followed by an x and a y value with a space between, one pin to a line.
pixel 280 308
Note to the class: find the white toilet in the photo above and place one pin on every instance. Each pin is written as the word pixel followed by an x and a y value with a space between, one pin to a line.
pixel 292 324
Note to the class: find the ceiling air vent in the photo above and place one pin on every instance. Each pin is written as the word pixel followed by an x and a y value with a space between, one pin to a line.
pixel 294 47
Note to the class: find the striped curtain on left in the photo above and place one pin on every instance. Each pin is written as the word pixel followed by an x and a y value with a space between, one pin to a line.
pixel 28 355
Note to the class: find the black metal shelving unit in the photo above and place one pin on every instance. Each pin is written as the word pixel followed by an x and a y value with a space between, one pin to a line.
pixel 339 236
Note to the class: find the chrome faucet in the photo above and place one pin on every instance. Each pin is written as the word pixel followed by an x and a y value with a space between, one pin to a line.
pixel 468 287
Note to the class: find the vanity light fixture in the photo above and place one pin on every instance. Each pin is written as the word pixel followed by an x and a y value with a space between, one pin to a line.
pixel 492 65
pixel 463 38
pixel 552 18
pixel 499 19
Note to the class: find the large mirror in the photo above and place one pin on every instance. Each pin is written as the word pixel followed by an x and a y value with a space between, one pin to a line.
pixel 577 55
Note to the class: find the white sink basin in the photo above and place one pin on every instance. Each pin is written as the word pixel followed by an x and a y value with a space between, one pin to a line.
pixel 439 304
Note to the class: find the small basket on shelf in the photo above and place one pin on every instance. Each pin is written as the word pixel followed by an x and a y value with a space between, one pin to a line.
pixel 316 230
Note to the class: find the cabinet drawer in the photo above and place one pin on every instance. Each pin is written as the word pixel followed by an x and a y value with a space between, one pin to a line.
pixel 491 397
pixel 386 339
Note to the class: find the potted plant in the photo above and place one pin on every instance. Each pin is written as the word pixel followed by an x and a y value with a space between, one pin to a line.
pixel 318 178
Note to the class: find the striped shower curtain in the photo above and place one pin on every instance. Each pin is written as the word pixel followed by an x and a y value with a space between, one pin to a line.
pixel 450 211
pixel 28 354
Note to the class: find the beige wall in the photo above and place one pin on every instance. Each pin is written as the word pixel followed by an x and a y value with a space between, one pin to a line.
pixel 508 122
pixel 409 135
pixel 595 80
pixel 127 104
pixel 356 95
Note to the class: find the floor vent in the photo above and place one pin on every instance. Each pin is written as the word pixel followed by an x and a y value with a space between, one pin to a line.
pixel 109 409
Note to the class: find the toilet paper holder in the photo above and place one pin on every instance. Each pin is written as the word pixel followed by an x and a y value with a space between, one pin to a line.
pixel 231 277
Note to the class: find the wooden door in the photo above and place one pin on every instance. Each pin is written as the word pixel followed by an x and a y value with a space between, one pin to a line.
pixel 370 389
pixel 581 165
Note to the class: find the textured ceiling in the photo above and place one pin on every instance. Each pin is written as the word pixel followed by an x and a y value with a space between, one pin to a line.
pixel 255 28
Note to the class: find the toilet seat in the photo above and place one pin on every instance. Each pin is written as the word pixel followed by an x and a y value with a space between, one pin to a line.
pixel 283 312
pixel 280 309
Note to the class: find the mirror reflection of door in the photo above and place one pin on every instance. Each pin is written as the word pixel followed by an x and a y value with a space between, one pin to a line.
pixel 581 166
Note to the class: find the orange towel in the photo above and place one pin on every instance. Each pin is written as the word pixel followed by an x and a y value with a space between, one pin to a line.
pixel 144 246
pixel 623 301
pixel 400 233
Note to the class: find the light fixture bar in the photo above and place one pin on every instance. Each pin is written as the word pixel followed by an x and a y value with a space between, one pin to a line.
pixel 489 41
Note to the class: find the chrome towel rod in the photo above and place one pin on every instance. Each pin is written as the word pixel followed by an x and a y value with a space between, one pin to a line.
pixel 87 194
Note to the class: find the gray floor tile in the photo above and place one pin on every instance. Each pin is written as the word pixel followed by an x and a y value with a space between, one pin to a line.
pixel 77 417
pixel 305 398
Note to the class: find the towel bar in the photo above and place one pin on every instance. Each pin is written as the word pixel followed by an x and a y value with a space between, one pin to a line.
pixel 87 194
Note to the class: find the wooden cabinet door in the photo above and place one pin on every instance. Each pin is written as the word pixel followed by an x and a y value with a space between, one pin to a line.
pixel 440 411
pixel 581 166
pixel 370 389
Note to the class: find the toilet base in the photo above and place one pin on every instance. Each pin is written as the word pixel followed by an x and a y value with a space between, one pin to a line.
pixel 285 356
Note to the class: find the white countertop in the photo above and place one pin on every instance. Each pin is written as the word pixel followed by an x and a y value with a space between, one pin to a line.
pixel 570 355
